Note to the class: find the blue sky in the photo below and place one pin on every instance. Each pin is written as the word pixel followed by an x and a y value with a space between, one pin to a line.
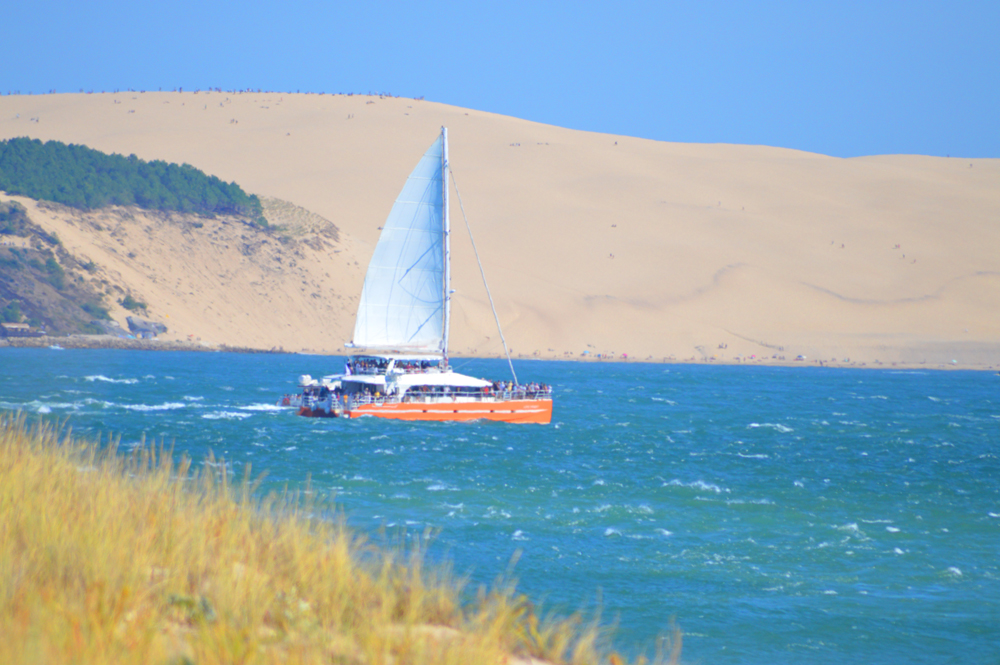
pixel 843 79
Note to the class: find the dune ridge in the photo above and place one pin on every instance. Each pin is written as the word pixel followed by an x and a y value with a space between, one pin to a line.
pixel 592 244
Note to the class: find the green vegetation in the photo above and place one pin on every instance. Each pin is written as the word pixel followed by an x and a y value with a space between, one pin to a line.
pixel 38 259
pixel 92 328
pixel 68 307
pixel 11 260
pixel 96 311
pixel 110 558
pixel 13 219
pixel 11 313
pixel 50 271
pixel 56 274
pixel 130 303
pixel 80 177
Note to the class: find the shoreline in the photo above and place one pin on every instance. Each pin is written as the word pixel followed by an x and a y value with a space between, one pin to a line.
pixel 110 342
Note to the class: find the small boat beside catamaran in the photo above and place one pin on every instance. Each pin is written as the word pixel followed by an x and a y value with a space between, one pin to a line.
pixel 403 323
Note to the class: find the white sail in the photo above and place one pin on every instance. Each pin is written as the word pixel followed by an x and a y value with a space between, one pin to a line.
pixel 403 303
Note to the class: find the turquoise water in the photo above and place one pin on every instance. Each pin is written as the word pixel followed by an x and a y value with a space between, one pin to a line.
pixel 779 515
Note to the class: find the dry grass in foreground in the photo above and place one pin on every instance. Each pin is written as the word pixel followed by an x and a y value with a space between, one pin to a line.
pixel 111 558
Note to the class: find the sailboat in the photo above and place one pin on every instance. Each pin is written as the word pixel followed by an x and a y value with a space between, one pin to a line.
pixel 403 323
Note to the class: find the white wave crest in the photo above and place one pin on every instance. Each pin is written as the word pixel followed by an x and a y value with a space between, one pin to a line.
pixel 699 485
pixel 38 405
pixel 101 377
pixel 261 407
pixel 611 531
pixel 751 502
pixel 166 406
pixel 491 511
pixel 775 426
pixel 227 415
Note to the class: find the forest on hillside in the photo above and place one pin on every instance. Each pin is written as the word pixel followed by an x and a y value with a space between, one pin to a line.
pixel 84 178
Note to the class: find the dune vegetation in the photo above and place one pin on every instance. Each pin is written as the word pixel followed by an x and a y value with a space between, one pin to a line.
pixel 107 557
pixel 80 177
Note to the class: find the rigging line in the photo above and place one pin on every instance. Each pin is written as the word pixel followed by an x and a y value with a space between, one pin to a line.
pixel 481 272
pixel 489 349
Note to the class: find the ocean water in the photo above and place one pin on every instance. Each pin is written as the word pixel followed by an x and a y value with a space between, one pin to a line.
pixel 778 515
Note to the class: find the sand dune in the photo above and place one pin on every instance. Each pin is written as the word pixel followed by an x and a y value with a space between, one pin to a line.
pixel 591 242
pixel 216 281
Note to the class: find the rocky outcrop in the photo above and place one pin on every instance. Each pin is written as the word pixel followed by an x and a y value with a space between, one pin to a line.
pixel 144 328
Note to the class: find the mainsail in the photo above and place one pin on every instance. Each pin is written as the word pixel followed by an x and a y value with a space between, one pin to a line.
pixel 404 302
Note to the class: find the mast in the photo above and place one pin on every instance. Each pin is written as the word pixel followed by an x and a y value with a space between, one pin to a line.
pixel 446 229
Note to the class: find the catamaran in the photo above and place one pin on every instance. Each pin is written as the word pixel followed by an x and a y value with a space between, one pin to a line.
pixel 403 324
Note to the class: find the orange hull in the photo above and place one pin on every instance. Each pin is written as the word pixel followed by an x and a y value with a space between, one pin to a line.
pixel 510 411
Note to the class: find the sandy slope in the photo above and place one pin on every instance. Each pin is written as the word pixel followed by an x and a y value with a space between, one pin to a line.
pixel 591 242
pixel 214 281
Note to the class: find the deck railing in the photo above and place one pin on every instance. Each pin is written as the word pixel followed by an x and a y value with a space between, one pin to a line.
pixel 349 402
